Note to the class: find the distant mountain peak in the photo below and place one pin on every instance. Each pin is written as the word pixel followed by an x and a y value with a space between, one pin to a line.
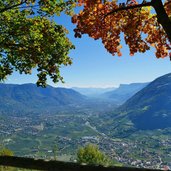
pixel 124 92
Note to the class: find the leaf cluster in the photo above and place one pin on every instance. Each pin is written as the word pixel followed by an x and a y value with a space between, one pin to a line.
pixel 29 38
pixel 139 26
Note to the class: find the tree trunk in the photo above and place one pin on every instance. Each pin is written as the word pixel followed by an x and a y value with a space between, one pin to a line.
pixel 162 17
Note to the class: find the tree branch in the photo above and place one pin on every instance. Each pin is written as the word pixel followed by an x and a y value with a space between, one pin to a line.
pixel 11 7
pixel 167 3
pixel 129 7
pixel 162 17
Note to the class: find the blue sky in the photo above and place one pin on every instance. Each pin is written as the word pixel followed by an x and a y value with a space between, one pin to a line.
pixel 93 66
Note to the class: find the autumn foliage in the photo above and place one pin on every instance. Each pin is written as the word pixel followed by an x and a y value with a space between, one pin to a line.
pixel 139 26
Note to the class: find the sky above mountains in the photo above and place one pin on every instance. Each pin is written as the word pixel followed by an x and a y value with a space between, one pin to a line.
pixel 93 66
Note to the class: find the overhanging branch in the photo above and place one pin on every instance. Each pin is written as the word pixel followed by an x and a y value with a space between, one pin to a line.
pixel 167 3
pixel 11 7
pixel 129 7
pixel 162 17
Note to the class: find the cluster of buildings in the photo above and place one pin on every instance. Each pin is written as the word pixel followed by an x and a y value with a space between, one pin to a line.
pixel 127 152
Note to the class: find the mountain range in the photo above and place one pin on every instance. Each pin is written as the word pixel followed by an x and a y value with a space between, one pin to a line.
pixel 137 130
pixel 115 95
pixel 30 98
pixel 148 109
